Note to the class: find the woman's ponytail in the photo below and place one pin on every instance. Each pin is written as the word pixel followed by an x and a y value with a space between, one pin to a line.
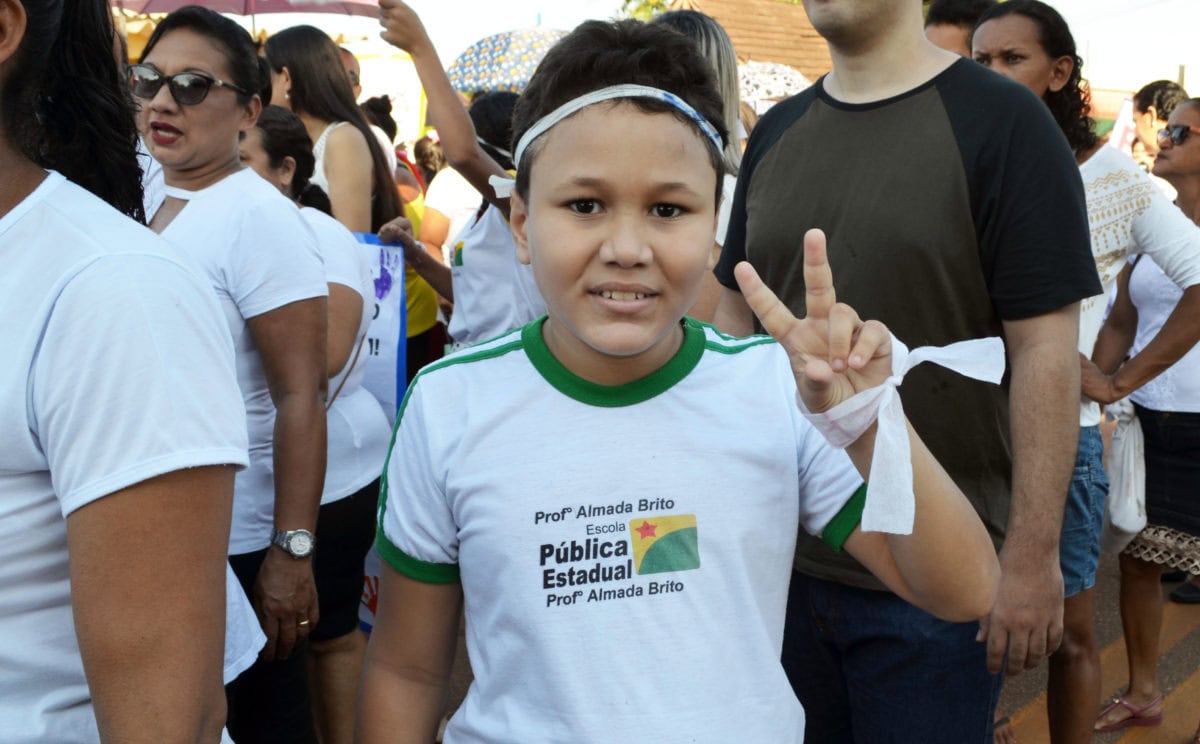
pixel 66 104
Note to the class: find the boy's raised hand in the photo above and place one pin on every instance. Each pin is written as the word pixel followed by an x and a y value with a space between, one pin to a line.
pixel 834 354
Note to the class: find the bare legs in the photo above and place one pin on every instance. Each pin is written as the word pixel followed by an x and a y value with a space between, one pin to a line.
pixel 334 669
pixel 1074 689
pixel 1141 620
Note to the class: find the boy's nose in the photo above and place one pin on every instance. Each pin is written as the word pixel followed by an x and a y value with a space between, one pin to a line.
pixel 628 244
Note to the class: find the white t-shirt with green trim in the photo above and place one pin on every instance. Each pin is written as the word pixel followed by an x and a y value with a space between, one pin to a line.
pixel 624 551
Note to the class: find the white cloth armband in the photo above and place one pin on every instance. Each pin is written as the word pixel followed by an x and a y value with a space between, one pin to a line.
pixel 891 505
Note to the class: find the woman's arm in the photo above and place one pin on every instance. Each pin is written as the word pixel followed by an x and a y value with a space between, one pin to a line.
pixel 403 29
pixel 345 315
pixel 291 340
pixel 408 660
pixel 148 594
pixel 349 170
pixel 1112 344
pixel 435 231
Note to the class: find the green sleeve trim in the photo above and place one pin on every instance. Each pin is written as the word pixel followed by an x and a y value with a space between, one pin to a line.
pixel 429 573
pixel 843 523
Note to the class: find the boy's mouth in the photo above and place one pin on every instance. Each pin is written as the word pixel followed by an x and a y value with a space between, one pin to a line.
pixel 613 294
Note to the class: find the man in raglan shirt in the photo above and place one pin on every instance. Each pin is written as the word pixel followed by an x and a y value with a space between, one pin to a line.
pixel 954 210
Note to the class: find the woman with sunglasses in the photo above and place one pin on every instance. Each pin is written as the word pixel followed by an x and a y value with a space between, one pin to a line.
pixel 120 421
pixel 1030 43
pixel 196 84
pixel 1168 408
pixel 308 77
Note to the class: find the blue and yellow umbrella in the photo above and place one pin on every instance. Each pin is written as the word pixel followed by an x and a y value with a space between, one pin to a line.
pixel 503 61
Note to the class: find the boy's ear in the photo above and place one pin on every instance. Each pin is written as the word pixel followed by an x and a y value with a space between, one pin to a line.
pixel 12 28
pixel 518 219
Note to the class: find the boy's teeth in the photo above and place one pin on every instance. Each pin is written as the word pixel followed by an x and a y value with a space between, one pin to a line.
pixel 611 295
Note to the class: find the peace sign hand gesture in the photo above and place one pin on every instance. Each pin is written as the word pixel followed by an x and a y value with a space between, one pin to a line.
pixel 834 354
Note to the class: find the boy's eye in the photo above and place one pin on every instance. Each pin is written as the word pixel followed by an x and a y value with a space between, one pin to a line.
pixel 584 206
pixel 667 211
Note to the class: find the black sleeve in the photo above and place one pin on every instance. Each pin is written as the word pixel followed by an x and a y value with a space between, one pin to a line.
pixel 1027 198
pixel 766 133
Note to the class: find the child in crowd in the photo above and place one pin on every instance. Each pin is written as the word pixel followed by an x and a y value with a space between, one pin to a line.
pixel 614 491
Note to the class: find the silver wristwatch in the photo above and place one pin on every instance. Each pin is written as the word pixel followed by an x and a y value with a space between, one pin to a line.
pixel 297 543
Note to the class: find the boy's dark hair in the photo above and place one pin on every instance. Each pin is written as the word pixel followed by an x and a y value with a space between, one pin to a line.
pixel 321 88
pixel 965 13
pixel 66 104
pixel 234 42
pixel 284 136
pixel 599 54
pixel 1071 104
pixel 1163 95
pixel 492 116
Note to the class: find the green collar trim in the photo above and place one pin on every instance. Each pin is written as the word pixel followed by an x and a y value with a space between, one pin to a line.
pixel 613 396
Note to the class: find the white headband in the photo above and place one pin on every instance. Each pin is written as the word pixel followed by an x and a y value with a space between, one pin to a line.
pixel 504 186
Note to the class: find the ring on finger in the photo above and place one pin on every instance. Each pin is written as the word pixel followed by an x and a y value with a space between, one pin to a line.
pixel 303 623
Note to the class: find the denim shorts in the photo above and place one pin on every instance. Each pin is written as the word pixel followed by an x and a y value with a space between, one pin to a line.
pixel 1079 547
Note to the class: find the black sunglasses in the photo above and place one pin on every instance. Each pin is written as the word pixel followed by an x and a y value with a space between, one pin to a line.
pixel 187 88
pixel 1176 135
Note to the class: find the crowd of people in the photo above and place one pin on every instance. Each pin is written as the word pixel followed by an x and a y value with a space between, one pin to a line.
pixel 665 454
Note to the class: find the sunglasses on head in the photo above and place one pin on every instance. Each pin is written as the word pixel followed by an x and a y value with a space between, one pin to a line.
pixel 187 88
pixel 1176 135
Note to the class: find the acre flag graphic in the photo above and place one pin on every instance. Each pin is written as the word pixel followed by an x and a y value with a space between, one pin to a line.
pixel 662 544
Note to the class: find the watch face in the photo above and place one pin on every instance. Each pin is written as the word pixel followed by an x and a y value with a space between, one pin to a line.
pixel 300 544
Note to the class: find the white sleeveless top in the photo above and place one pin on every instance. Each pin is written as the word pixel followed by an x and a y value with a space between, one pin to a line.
pixel 318 176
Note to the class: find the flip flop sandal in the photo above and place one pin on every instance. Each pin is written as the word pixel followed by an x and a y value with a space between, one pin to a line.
pixel 1137 715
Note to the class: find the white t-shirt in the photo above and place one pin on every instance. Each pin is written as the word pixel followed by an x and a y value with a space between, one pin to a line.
pixel 1127 214
pixel 624 551
pixel 259 254
pixel 117 369
pixel 1155 296
pixel 153 185
pixel 493 291
pixel 358 434
pixel 455 197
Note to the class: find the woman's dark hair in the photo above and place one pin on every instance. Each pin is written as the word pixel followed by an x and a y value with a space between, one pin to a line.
pixel 378 111
pixel 430 158
pixel 284 136
pixel 321 88
pixel 234 42
pixel 66 105
pixel 598 54
pixel 1071 104
pixel 492 116
pixel 1163 95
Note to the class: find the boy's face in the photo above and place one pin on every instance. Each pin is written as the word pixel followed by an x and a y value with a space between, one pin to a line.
pixel 619 227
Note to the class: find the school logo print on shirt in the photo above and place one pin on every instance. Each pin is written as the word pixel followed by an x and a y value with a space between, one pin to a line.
pixel 588 556
pixel 662 544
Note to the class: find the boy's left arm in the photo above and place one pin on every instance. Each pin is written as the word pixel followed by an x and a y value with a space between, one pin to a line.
pixel 947 566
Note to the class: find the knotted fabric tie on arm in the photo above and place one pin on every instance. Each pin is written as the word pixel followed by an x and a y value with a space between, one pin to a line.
pixel 891 505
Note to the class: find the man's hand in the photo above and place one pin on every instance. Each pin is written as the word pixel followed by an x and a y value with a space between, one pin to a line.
pixel 1027 618
pixel 285 599
pixel 834 354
